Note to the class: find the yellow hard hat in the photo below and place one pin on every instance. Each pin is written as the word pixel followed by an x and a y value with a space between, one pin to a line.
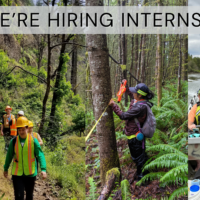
pixel 8 107
pixel 22 122
pixel 30 124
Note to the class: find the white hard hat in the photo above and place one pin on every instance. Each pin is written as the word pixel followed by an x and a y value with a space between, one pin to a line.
pixel 21 112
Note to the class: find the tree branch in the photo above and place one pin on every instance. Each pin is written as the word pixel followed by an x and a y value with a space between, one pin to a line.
pixel 26 72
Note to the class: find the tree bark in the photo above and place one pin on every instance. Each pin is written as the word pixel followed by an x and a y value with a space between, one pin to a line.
pixel 101 92
pixel 159 67
pixel 136 56
pixel 142 72
pixel 47 89
pixel 185 59
pixel 111 179
pixel 74 67
pixel 139 59
pixel 179 69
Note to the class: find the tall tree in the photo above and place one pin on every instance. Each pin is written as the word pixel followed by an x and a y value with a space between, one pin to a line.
pixel 101 92
pixel 74 57
pixel 185 58
pixel 180 66
pixel 142 72
pixel 48 86
pixel 159 64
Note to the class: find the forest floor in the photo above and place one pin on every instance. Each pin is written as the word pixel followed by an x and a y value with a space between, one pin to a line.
pixel 128 169
pixel 43 189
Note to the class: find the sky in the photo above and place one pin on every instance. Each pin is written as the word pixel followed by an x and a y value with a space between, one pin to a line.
pixel 194 40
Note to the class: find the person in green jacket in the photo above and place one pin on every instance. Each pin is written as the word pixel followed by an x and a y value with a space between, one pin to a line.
pixel 23 150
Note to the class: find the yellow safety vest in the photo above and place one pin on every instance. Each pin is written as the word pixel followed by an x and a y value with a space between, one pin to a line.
pixel 24 158
pixel 6 122
pixel 197 115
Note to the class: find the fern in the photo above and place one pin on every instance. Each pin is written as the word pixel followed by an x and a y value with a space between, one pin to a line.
pixel 93 188
pixel 151 176
pixel 126 195
pixel 166 147
pixel 179 192
pixel 182 169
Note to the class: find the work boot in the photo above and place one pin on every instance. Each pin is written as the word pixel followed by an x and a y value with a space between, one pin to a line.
pixel 140 176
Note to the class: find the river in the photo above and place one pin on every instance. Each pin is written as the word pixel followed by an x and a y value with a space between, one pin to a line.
pixel 193 85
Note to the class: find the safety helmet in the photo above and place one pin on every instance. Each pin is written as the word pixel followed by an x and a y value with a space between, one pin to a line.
pixel 30 124
pixel 21 113
pixel 22 122
pixel 198 92
pixel 8 107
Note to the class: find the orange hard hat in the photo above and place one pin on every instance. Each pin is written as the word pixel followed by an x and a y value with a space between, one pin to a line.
pixel 8 107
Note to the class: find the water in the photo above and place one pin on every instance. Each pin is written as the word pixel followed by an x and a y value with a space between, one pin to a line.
pixel 193 85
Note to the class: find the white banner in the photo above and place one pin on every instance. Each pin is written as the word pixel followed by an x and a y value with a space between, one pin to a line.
pixel 100 20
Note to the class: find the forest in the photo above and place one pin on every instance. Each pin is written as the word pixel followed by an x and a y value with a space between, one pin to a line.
pixel 63 84
pixel 193 64
pixel 161 62
pixel 44 75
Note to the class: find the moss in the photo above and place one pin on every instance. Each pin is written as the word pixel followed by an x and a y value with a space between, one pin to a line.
pixel 114 171
pixel 123 67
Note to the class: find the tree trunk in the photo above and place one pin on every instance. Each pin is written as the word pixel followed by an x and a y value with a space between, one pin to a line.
pixel 57 84
pixel 142 75
pixel 48 87
pixel 185 59
pixel 132 57
pixel 74 58
pixel 136 56
pixel 159 67
pixel 101 92
pixel 74 67
pixel 139 59
pixel 179 69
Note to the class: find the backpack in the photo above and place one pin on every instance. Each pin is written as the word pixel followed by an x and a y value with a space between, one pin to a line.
pixel 149 125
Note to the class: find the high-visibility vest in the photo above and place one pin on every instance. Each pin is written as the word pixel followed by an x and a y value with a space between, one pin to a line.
pixel 13 128
pixel 24 158
pixel 197 115
pixel 35 135
pixel 6 122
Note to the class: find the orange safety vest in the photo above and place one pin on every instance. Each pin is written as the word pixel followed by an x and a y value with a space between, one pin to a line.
pixel 13 128
pixel 6 122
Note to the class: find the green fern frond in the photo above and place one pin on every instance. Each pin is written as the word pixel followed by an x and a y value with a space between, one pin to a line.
pixel 180 135
pixel 181 179
pixel 93 189
pixel 126 195
pixel 165 147
pixel 167 163
pixel 151 176
pixel 179 192
pixel 173 156
pixel 175 172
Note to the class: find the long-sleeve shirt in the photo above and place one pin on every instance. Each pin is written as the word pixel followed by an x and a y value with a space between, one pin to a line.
pixel 138 111
pixel 38 153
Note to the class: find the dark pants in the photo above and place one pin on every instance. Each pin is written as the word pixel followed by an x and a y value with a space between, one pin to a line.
pixel 21 184
pixel 137 153
pixel 7 137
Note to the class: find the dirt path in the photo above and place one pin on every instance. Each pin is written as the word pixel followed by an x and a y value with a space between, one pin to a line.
pixel 43 189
